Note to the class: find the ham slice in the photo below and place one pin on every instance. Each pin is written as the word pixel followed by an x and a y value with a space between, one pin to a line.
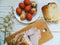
pixel 34 35
pixel 31 36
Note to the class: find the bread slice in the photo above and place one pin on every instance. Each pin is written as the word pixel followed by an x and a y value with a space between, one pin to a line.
pixel 51 12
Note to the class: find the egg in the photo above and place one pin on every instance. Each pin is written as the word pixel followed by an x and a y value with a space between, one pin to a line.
pixel 28 8
pixel 33 11
pixel 22 16
pixel 33 4
pixel 29 17
pixel 18 11
pixel 27 2
pixel 22 5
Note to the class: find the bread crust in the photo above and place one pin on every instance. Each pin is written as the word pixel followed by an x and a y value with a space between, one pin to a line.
pixel 48 15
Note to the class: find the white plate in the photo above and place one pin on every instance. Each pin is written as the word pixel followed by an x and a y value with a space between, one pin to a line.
pixel 26 21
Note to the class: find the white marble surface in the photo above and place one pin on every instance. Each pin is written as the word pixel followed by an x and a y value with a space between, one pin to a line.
pixel 54 28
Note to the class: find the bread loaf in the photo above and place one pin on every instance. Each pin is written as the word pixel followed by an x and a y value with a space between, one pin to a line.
pixel 51 12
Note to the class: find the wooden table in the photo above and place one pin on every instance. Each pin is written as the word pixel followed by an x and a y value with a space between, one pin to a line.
pixel 54 28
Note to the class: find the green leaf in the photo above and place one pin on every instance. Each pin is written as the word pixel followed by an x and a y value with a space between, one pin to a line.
pixel 4 37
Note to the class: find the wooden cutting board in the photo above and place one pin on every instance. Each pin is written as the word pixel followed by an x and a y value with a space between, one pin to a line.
pixel 40 24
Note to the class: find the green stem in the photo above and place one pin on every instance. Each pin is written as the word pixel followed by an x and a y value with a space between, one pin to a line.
pixel 5 36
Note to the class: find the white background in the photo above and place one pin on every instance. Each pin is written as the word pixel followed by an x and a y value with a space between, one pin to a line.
pixel 54 28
